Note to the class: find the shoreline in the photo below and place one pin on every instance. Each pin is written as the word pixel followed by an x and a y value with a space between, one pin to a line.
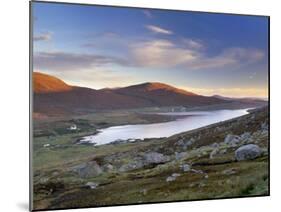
pixel 87 140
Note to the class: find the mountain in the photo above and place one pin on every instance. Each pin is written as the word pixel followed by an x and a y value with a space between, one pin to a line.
pixel 160 94
pixel 43 83
pixel 52 96
pixel 243 99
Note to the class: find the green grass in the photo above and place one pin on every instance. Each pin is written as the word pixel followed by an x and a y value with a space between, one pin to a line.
pixel 56 187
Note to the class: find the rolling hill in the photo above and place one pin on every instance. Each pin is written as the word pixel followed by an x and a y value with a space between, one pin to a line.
pixel 43 83
pixel 53 97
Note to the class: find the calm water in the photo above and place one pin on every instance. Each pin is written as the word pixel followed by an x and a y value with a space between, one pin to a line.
pixel 195 120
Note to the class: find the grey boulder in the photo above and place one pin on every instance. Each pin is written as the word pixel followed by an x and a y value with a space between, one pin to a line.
pixel 248 152
pixel 136 164
pixel 232 140
pixel 92 185
pixel 88 169
pixel 155 158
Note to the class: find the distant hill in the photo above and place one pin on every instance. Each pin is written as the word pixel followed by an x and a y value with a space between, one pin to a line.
pixel 160 94
pixel 242 99
pixel 43 83
pixel 53 97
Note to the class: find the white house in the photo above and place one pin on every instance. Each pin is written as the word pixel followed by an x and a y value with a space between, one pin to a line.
pixel 73 127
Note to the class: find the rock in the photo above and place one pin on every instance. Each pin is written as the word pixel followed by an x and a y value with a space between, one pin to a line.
pixel 180 142
pixel 88 169
pixel 248 152
pixel 229 171
pixel 155 158
pixel 223 151
pixel 173 177
pixel 185 144
pixel 245 136
pixel 186 167
pixel 176 175
pixel 232 140
pixel 264 126
pixel 214 152
pixel 46 145
pixel 215 145
pixel 136 164
pixel 108 167
pixel 92 185
pixel 44 180
pixel 180 155
pixel 197 171
pixel 170 179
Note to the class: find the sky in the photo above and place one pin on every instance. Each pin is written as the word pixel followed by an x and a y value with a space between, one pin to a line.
pixel 98 47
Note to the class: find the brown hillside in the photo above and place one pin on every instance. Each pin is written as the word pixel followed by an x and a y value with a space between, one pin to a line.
pixel 160 94
pixel 52 96
pixel 43 83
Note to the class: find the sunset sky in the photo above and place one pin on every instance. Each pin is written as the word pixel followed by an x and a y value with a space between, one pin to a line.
pixel 97 47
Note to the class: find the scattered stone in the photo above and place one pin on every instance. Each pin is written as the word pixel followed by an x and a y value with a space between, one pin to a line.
pixel 197 171
pixel 214 152
pixel 155 158
pixel 108 167
pixel 136 164
pixel 186 167
pixel 245 136
pixel 264 126
pixel 173 177
pixel 248 152
pixel 223 151
pixel 88 169
pixel 215 145
pixel 185 144
pixel 44 179
pixel 232 140
pixel 176 175
pixel 46 145
pixel 92 185
pixel 180 155
pixel 170 179
pixel 229 171
pixel 206 176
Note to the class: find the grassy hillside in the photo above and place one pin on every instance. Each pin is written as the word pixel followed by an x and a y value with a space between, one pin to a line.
pixel 198 164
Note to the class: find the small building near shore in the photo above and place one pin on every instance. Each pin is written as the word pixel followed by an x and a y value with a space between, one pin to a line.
pixel 73 127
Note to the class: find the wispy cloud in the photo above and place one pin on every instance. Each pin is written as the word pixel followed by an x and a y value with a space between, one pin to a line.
pixel 157 29
pixel 64 61
pixel 228 57
pixel 167 54
pixel 161 53
pixel 191 43
pixel 46 36
pixel 188 54
pixel 147 13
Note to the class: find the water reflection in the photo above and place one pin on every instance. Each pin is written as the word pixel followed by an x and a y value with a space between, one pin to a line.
pixel 193 120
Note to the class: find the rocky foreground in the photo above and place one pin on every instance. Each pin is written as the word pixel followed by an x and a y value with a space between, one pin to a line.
pixel 228 159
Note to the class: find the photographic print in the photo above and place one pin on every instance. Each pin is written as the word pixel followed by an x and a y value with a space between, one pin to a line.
pixel 137 105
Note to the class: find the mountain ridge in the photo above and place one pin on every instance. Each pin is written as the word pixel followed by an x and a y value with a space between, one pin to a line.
pixel 52 96
pixel 44 83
